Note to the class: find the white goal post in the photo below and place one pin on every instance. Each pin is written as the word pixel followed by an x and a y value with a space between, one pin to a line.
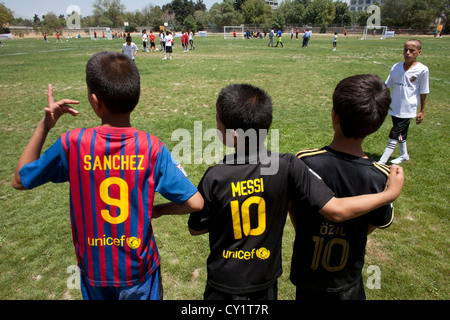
pixel 99 33
pixel 374 33
pixel 228 32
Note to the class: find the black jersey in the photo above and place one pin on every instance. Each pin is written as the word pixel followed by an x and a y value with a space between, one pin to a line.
pixel 329 256
pixel 245 212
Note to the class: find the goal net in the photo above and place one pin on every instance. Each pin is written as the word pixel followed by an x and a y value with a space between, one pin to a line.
pixel 228 32
pixel 100 33
pixel 374 33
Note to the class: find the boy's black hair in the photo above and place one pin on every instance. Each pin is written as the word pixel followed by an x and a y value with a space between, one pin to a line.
pixel 362 102
pixel 115 80
pixel 244 106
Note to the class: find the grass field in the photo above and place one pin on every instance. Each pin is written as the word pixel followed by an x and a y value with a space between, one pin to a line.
pixel 36 247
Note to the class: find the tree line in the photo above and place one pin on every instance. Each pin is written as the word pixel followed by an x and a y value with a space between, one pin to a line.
pixel 189 14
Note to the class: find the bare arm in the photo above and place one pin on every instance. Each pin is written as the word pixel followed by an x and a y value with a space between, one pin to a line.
pixel 193 204
pixel 421 114
pixel 32 151
pixel 341 209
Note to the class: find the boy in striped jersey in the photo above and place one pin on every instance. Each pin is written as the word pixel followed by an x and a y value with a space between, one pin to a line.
pixel 114 171
pixel 328 257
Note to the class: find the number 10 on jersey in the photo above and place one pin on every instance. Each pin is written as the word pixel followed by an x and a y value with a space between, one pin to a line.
pixel 241 217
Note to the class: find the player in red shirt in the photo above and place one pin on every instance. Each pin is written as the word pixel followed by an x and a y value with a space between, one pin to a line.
pixel 151 36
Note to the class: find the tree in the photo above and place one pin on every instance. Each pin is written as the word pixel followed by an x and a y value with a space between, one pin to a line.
pixel 421 15
pixel 320 12
pixel 256 11
pixel 190 24
pixel 293 11
pixel 238 4
pixel 224 14
pixel 109 13
pixel 343 15
pixel 414 13
pixel 183 8
pixel 202 18
pixel 6 15
pixel 50 23
pixel 394 13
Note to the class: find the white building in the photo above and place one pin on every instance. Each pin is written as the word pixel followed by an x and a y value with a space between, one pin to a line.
pixel 361 5
pixel 272 3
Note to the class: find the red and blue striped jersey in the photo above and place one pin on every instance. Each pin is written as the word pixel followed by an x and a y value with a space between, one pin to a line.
pixel 113 174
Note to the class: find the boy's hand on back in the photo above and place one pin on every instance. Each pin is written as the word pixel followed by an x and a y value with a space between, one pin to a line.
pixel 55 110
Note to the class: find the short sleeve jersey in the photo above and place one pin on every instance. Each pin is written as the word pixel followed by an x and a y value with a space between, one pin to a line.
pixel 329 256
pixel 245 212
pixel 407 86
pixel 129 49
pixel 113 175
pixel 169 39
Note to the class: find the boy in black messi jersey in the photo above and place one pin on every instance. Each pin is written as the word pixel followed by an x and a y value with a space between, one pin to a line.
pixel 246 206
pixel 328 257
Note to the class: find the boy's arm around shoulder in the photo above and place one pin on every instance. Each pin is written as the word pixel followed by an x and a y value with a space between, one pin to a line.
pixel 193 204
pixel 341 209
pixel 32 151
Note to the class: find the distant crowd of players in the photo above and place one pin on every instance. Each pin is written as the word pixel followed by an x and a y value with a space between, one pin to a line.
pixel 166 43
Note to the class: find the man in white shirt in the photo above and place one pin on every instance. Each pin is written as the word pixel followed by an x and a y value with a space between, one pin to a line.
pixel 410 83
pixel 130 48
pixel 169 43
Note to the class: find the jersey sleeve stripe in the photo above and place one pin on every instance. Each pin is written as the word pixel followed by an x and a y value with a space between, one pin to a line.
pixel 382 167
pixel 390 221
pixel 309 152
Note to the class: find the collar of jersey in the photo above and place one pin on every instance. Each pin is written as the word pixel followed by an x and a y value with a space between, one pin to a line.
pixel 248 158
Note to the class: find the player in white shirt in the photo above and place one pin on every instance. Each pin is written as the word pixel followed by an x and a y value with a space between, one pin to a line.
pixel 191 39
pixel 130 48
pixel 409 81
pixel 144 40
pixel 335 41
pixel 169 43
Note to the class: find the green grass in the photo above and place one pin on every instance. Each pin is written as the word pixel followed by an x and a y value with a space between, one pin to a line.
pixel 35 237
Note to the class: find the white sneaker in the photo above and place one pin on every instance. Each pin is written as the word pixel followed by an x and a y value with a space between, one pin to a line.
pixel 164 58
pixel 400 159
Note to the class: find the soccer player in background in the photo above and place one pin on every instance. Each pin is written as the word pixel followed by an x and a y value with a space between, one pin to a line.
pixel 335 41
pixel 328 257
pixel 168 45
pixel 145 40
pixel 129 48
pixel 410 83
pixel 114 171
pixel 246 198
pixel 151 37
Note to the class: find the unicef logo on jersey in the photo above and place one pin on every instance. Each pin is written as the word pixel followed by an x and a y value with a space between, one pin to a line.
pixel 133 242
pixel 261 253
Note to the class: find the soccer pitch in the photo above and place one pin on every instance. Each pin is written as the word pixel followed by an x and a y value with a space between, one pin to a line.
pixel 36 250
